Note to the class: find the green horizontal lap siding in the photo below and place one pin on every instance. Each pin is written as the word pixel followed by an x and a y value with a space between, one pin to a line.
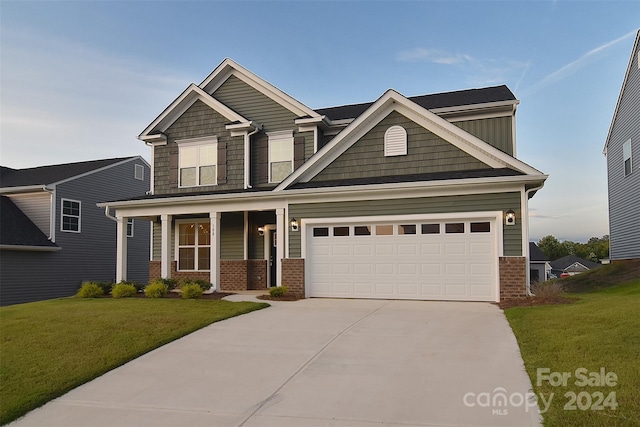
pixel 198 121
pixel 512 235
pixel 308 144
pixel 256 241
pixel 232 235
pixel 157 242
pixel 496 131
pixel 254 105
pixel 426 153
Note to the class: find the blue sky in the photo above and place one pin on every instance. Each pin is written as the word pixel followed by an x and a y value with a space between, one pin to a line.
pixel 80 80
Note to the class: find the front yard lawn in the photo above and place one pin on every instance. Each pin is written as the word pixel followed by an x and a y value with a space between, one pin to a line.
pixel 599 331
pixel 48 348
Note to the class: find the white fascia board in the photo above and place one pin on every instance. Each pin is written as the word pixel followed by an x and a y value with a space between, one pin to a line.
pixel 634 52
pixel 475 107
pixel 229 67
pixel 387 103
pixel 154 139
pixel 30 248
pixel 271 200
pixel 186 99
pixel 24 189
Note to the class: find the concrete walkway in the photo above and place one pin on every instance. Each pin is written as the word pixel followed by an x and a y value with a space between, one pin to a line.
pixel 317 362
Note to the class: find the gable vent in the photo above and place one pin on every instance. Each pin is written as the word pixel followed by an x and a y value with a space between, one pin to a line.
pixel 395 141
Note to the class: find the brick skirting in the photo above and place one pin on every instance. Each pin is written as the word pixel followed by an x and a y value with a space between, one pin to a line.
pixel 293 275
pixel 257 274
pixel 513 278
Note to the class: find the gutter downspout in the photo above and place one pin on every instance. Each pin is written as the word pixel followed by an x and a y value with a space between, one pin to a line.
pixel 528 272
pixel 108 215
pixel 247 155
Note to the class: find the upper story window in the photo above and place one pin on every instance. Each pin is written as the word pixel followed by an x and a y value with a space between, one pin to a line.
pixel 627 158
pixel 139 172
pixel 280 155
pixel 70 218
pixel 197 160
pixel 395 141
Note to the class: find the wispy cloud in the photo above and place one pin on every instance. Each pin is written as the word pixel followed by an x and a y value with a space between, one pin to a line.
pixel 572 67
pixel 432 55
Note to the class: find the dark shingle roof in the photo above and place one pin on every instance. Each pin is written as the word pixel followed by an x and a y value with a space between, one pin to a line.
pixel 566 261
pixel 437 176
pixel 43 175
pixel 16 229
pixel 535 254
pixel 436 100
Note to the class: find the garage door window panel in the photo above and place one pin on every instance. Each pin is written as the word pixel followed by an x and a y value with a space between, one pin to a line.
pixel 480 227
pixel 362 230
pixel 430 228
pixel 341 231
pixel 384 230
pixel 454 228
pixel 406 229
pixel 320 231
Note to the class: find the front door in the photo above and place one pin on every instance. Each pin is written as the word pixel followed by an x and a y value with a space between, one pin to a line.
pixel 272 257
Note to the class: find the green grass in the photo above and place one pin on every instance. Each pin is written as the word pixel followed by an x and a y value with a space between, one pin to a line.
pixel 600 330
pixel 50 347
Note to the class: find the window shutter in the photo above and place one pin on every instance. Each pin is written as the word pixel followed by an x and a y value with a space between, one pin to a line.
pixel 222 162
pixel 395 141
pixel 262 151
pixel 173 167
pixel 298 152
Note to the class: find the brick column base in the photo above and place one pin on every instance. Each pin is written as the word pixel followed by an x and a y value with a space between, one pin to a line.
pixel 293 275
pixel 256 274
pixel 513 278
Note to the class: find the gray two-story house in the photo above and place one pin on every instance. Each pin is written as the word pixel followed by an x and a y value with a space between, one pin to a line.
pixel 53 237
pixel 405 197
pixel 623 174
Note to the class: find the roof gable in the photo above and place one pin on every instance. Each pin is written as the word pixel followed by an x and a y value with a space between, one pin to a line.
pixel 569 260
pixel 53 174
pixel 17 230
pixel 635 51
pixel 393 101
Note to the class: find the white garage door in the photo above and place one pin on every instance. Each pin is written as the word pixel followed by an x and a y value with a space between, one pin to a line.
pixel 452 259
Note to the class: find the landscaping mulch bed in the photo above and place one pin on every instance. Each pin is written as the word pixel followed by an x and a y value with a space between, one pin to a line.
pixel 282 298
pixel 534 301
pixel 211 296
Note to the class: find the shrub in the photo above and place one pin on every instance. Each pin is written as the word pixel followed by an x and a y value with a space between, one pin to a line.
pixel 106 286
pixel 90 290
pixel 123 290
pixel 171 283
pixel 156 289
pixel 191 291
pixel 138 286
pixel 550 289
pixel 204 285
pixel 278 291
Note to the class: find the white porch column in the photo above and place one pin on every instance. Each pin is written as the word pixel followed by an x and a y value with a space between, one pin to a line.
pixel 165 247
pixel 214 252
pixel 121 251
pixel 281 229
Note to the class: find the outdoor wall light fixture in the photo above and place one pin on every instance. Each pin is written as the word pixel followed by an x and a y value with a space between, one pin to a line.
pixel 294 224
pixel 510 217
pixel 261 231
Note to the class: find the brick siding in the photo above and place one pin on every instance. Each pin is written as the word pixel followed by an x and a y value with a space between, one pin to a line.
pixel 293 275
pixel 513 278
pixel 235 275
pixel 257 274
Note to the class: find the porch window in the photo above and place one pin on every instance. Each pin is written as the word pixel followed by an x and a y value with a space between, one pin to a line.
pixel 194 246
pixel 198 160
pixel 280 155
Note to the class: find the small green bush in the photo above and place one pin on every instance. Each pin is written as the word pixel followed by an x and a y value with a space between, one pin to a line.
pixel 138 286
pixel 171 283
pixel 106 286
pixel 122 290
pixel 204 285
pixel 191 291
pixel 156 289
pixel 90 290
pixel 278 291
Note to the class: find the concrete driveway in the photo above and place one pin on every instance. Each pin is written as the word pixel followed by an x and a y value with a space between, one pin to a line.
pixel 318 362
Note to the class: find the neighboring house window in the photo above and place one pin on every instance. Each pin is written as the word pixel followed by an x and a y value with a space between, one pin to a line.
pixel 139 172
pixel 130 227
pixel 194 246
pixel 626 155
pixel 280 155
pixel 197 162
pixel 395 141
pixel 70 218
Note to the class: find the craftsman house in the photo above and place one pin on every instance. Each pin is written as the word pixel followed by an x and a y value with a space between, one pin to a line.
pixel 53 237
pixel 407 198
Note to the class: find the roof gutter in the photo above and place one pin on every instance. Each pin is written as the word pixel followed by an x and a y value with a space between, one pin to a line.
pixel 30 248
pixel 24 189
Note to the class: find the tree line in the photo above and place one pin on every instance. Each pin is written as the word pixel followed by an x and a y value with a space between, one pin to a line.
pixel 594 250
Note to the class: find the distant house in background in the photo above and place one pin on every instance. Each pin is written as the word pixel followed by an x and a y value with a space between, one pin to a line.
pixel 572 265
pixel 623 156
pixel 539 266
pixel 53 236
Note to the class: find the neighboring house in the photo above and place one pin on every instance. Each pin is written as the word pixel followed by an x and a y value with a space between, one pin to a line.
pixel 623 165
pixel 539 266
pixel 572 265
pixel 408 198
pixel 53 236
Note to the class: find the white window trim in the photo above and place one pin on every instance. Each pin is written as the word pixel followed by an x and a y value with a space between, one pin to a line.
pixel 278 136
pixel 397 146
pixel 627 143
pixel 130 223
pixel 177 242
pixel 208 140
pixel 62 215
pixel 138 172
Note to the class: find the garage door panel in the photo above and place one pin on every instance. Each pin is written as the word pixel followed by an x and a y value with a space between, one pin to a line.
pixel 389 264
